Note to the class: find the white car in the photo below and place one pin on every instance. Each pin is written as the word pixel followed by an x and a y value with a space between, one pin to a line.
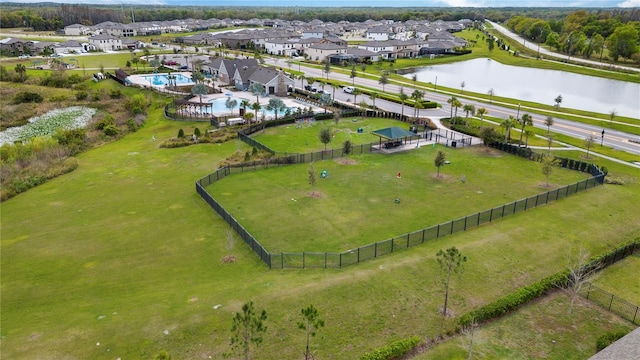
pixel 24 56
pixel 348 89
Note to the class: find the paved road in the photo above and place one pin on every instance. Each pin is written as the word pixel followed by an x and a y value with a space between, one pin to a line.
pixel 534 46
pixel 614 139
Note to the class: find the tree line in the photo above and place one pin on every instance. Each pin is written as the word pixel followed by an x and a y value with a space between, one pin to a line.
pixel 583 33
pixel 49 17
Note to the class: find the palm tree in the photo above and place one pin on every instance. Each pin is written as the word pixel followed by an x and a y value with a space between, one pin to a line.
pixel 526 120
pixel 200 89
pixel 414 78
pixel 468 108
pixel 507 124
pixel 373 97
pixel 245 104
pixel 491 93
pixel 548 121
pixel 355 94
pixel 334 87
pixel 384 79
pixel 403 97
pixel 455 103
pixel 353 74
pixel 528 134
pixel 276 105
pixel 256 107
pixel 482 112
pixel 257 89
pixel 416 95
pixel 230 104
pixel 327 66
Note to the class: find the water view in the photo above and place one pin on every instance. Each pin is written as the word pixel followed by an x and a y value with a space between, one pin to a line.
pixel 578 91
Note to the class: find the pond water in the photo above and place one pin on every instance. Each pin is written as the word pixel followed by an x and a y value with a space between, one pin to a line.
pixel 543 86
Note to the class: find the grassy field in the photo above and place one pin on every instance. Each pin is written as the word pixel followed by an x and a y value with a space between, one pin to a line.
pixel 540 330
pixel 121 258
pixel 355 205
pixel 622 280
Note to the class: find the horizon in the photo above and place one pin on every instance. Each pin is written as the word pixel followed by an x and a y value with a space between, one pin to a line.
pixel 360 3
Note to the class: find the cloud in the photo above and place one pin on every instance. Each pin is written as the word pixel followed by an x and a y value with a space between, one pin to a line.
pixel 629 4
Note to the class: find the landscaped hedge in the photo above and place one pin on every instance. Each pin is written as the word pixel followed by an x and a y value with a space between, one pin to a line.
pixel 608 339
pixel 514 300
pixel 395 350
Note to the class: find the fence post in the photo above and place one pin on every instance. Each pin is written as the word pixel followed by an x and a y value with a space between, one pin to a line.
pixel 589 291
pixel 303 259
pixel 611 302
pixel 526 203
pixel 423 231
pixel 282 260
pixel 325 260
pixel 392 244
pixel 478 223
pixel 358 254
pixel 438 232
pixel 634 315
pixel 408 240
pixel 451 232
pixel 375 250
pixel 465 223
pixel 340 262
pixel 491 215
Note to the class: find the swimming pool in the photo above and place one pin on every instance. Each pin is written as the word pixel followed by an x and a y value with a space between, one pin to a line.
pixel 220 105
pixel 162 79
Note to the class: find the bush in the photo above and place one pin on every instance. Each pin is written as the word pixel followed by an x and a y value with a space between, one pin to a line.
pixel 394 350
pixel 514 300
pixel 115 93
pixel 180 134
pixel 81 95
pixel 27 97
pixel 58 98
pixel 111 130
pixel 106 121
pixel 608 339
pixel 137 104
pixel 197 132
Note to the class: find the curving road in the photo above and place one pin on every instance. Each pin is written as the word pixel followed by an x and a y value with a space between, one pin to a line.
pixel 536 47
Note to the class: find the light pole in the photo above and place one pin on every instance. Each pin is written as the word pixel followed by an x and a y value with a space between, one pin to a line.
pixel 518 114
pixel 435 85
pixel 569 51
pixel 602 138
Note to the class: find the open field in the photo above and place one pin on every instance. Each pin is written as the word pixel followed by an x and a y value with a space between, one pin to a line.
pixel 355 205
pixel 540 330
pixel 123 252
pixel 622 279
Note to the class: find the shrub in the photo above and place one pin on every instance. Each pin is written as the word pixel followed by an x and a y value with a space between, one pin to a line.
pixel 27 97
pixel 608 339
pixel 247 157
pixel 180 134
pixel 115 93
pixel 137 104
pixel 81 95
pixel 197 132
pixel 58 98
pixel 111 130
pixel 394 350
pixel 106 121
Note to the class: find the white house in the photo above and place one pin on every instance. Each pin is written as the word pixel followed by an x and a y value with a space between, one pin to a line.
pixel 76 30
pixel 312 34
pixel 378 33
pixel 105 43
pixel 280 47
pixel 70 47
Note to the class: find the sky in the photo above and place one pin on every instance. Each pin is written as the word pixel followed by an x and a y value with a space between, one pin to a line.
pixel 367 3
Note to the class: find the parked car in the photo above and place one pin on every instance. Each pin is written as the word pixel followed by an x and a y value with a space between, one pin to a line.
pixel 324 92
pixel 171 63
pixel 23 56
pixel 310 88
pixel 348 89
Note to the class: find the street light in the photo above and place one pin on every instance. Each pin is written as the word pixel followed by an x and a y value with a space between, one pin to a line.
pixel 602 138
pixel 518 114
pixel 435 85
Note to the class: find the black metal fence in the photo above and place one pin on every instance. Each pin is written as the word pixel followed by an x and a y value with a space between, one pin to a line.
pixel 374 250
pixel 612 303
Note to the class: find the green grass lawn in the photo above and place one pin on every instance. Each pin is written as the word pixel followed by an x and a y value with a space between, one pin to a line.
pixel 355 205
pixel 304 138
pixel 622 280
pixel 123 252
pixel 540 330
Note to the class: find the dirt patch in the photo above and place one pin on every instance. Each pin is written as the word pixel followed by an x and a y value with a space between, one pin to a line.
pixel 344 161
pixel 440 177
pixel 548 187
pixel 228 259
pixel 487 151
pixel 315 194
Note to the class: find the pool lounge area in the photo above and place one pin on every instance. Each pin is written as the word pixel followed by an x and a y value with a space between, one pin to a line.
pixel 159 80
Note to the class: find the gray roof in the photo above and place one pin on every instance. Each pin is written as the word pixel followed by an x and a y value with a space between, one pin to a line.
pixel 627 348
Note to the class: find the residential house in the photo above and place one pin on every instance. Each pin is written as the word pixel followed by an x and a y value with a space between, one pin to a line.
pixel 76 30
pixel 378 33
pixel 281 47
pixel 105 43
pixel 15 46
pixel 312 34
pixel 224 69
pixel 70 47
pixel 384 49
pixel 273 80
pixel 318 52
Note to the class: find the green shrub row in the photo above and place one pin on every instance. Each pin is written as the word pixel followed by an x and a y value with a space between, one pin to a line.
pixel 514 300
pixel 395 350
pixel 608 339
